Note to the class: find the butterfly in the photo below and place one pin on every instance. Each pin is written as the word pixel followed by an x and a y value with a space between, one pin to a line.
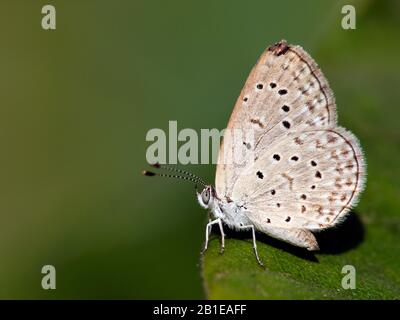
pixel 300 172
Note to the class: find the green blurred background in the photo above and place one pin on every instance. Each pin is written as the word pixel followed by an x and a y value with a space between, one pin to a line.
pixel 77 102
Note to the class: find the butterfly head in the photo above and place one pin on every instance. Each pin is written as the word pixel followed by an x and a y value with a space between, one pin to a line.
pixel 207 197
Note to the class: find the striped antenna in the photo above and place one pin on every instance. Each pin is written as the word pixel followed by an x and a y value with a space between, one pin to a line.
pixel 153 174
pixel 181 171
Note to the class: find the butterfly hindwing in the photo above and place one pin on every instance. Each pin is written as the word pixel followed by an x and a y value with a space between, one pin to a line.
pixel 308 180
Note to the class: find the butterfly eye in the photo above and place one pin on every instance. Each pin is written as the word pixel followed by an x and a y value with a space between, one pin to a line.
pixel 205 196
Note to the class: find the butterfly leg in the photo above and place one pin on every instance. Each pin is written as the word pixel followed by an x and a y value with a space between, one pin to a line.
pixel 254 242
pixel 209 227
pixel 222 236
pixel 208 231
pixel 209 220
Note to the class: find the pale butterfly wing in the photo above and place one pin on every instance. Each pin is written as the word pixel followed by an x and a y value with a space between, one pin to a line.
pixel 306 173
pixel 284 93
pixel 307 180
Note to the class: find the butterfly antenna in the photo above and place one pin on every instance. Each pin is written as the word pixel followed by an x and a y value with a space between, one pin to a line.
pixel 181 171
pixel 175 176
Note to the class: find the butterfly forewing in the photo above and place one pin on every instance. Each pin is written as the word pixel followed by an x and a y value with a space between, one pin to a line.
pixel 285 92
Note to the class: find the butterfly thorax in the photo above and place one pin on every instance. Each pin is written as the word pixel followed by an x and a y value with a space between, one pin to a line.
pixel 232 213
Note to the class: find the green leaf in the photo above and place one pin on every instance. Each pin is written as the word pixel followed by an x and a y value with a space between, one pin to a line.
pixel 294 273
